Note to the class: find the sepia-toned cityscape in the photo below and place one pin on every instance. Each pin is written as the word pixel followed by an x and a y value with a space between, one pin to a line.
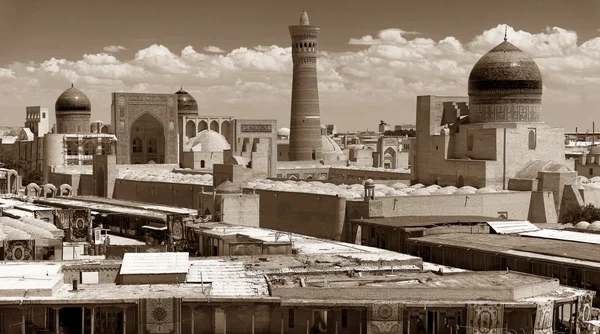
pixel 403 182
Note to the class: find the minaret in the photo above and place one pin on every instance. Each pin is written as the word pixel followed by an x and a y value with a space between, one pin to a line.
pixel 305 120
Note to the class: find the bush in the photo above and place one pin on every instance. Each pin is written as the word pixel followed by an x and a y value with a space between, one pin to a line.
pixel 588 213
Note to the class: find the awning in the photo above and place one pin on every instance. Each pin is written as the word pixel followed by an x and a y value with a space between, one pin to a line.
pixel 156 227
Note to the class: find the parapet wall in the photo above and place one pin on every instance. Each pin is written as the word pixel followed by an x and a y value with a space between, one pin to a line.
pixel 512 205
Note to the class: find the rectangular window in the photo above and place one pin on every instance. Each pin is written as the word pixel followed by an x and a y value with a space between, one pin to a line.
pixel 291 318
pixel 591 171
pixel 43 115
pixel 344 318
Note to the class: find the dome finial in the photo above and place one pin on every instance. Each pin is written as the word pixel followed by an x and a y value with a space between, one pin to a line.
pixel 505 33
pixel 180 87
pixel 304 19
pixel 71 85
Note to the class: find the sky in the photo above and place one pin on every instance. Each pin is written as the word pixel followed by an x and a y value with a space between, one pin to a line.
pixel 234 57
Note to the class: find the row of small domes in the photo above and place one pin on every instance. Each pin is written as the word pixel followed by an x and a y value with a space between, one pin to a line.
pixel 73 100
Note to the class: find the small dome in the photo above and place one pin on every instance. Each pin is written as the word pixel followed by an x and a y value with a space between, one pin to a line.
pixel 186 104
pixel 595 150
pixel 283 132
pixel 304 19
pixel 228 187
pixel 595 226
pixel 582 225
pixel 73 99
pixel 208 141
pixel 329 145
pixel 369 182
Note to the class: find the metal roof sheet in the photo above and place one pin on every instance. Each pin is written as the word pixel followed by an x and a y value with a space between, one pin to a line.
pixel 512 226
pixel 155 263
pixel 588 238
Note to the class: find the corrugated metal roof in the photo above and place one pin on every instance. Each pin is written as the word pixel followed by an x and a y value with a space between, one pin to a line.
pixel 512 226
pixel 227 278
pixel 155 263
pixel 588 238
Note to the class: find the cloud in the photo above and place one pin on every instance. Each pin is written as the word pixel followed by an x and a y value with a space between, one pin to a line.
pixel 387 36
pixel 214 49
pixel 379 76
pixel 114 48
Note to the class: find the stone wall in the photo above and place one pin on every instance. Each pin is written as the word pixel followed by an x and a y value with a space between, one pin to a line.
pixel 316 215
pixel 166 193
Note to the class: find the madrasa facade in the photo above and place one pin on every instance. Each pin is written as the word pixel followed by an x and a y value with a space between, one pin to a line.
pixel 495 137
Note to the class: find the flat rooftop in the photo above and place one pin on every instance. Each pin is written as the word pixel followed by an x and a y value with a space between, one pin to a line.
pixel 422 287
pixel 567 250
pixel 102 207
pixel 423 221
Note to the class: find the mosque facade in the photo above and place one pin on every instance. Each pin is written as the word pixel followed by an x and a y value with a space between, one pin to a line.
pixel 494 138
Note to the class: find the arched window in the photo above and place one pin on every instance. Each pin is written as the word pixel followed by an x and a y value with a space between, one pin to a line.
pixel 202 164
pixel 470 140
pixel 151 145
pixel 137 145
pixel 89 148
pixel 72 148
pixel 532 139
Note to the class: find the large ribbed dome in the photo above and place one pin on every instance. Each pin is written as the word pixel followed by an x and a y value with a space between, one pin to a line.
pixel 186 104
pixel 73 100
pixel 505 85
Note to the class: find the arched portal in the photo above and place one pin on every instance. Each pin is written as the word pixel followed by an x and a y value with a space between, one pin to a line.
pixel 226 130
pixel 202 126
pixel 104 129
pixel 100 191
pixel 214 125
pixel 389 158
pixel 190 129
pixel 149 131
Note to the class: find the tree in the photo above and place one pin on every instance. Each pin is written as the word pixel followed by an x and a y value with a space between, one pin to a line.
pixel 588 213
pixel 401 133
pixel 22 167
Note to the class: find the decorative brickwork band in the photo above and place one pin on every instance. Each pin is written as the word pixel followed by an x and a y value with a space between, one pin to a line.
pixel 384 318
pixel 543 318
pixel 505 113
pixel 485 318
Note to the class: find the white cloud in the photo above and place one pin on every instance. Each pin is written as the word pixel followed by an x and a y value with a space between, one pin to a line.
pixel 380 77
pixel 214 49
pixel 114 48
